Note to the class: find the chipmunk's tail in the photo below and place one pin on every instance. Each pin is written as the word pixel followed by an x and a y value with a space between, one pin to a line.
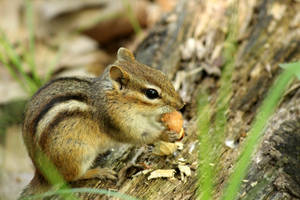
pixel 37 185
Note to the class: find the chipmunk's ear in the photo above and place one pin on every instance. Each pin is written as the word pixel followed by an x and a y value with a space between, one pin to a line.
pixel 125 54
pixel 118 76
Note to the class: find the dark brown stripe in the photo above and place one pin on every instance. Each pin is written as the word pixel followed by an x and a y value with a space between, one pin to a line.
pixel 61 79
pixel 138 100
pixel 57 100
pixel 60 117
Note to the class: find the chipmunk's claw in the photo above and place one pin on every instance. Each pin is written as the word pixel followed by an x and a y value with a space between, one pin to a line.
pixel 100 173
pixel 106 173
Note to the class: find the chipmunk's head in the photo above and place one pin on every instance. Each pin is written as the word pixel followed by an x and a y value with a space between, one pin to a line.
pixel 140 96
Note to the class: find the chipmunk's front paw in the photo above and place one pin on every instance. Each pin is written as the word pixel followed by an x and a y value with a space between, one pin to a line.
pixel 106 173
pixel 173 136
pixel 101 173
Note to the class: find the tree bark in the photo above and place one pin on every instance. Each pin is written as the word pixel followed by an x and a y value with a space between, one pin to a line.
pixel 187 44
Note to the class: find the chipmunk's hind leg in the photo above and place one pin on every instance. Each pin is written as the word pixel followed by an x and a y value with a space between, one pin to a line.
pixel 74 151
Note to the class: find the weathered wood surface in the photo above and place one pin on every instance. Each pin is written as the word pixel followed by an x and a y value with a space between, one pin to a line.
pixel 268 33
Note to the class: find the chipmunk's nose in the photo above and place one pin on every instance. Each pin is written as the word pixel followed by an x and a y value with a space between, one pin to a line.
pixel 182 109
pixel 175 101
pixel 180 105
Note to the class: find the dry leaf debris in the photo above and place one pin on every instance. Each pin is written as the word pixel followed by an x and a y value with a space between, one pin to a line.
pixel 162 173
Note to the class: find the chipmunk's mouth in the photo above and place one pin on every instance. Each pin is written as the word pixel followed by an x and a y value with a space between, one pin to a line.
pixel 153 126
pixel 145 128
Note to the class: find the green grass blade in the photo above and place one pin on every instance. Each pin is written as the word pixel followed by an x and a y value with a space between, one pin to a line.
pixel 31 52
pixel 16 61
pixel 12 55
pixel 12 72
pixel 132 17
pixel 292 67
pixel 54 178
pixel 51 173
pixel 205 170
pixel 267 108
pixel 83 190
pixel 215 129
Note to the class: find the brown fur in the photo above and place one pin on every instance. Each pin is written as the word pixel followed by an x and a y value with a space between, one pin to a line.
pixel 71 120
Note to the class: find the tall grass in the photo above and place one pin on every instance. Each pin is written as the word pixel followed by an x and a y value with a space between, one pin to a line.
pixel 211 129
pixel 266 110
pixel 30 81
pixel 208 142
pixel 12 61
pixel 206 154
pixel 30 56
pixel 132 17
pixel 82 190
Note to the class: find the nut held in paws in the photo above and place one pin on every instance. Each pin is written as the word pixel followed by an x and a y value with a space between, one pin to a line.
pixel 174 122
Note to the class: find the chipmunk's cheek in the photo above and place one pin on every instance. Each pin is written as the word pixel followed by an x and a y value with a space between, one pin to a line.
pixel 173 122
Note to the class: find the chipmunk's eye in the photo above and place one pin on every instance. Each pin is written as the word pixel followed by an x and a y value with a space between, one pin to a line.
pixel 151 93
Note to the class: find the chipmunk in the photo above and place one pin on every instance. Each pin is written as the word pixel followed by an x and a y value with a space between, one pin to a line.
pixel 72 120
